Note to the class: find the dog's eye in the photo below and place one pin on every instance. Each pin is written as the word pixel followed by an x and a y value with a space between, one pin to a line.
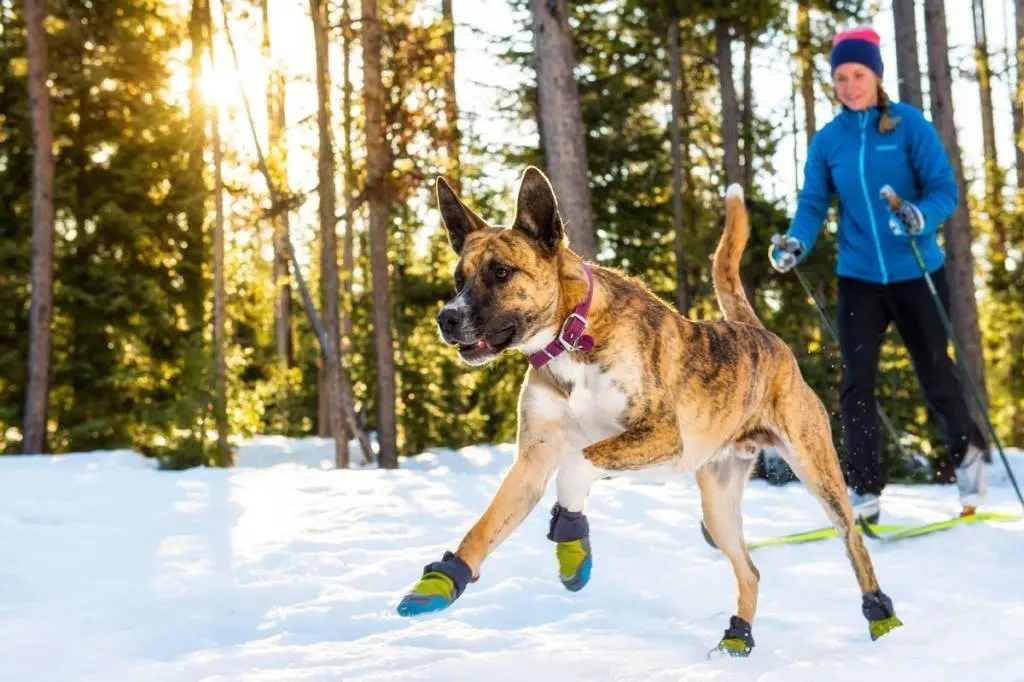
pixel 460 281
pixel 501 273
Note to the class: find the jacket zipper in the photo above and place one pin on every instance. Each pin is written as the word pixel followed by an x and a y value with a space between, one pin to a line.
pixel 867 196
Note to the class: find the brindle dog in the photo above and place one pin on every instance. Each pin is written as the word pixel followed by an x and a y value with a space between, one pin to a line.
pixel 655 389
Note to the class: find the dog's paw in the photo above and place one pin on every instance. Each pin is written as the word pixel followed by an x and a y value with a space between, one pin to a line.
pixel 731 647
pixel 737 642
pixel 882 619
pixel 879 628
pixel 571 533
pixel 435 591
pixel 442 583
pixel 574 563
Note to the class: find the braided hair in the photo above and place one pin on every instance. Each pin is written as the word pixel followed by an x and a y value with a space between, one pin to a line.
pixel 886 122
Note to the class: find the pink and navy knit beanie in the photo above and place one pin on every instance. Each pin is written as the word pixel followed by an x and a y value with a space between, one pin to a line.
pixel 860 46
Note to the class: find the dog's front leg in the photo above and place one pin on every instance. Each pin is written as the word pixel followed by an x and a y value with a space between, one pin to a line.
pixel 519 493
pixel 540 443
pixel 650 438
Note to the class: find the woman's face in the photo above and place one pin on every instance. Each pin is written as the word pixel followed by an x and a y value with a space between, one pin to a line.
pixel 856 86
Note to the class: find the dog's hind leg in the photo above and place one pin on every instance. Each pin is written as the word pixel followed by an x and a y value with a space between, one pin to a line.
pixel 569 527
pixel 812 456
pixel 721 484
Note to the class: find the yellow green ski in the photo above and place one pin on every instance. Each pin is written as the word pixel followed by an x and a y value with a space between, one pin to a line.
pixel 882 532
pixel 908 532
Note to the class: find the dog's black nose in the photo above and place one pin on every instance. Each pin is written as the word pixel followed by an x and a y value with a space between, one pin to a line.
pixel 448 320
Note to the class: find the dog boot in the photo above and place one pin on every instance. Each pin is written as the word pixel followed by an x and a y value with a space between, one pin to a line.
pixel 738 640
pixel 571 532
pixel 442 583
pixel 877 608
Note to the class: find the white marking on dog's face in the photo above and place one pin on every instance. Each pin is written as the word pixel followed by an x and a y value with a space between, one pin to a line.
pixel 458 304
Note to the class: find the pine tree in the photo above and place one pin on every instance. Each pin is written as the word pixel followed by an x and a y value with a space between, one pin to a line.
pixel 41 311
pixel 562 126
pixel 328 228
pixel 904 16
pixel 379 200
pixel 220 379
pixel 960 261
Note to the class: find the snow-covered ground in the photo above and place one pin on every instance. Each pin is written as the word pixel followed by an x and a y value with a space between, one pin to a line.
pixel 283 569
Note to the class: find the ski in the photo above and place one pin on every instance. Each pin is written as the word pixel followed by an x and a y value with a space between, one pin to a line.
pixel 907 532
pixel 879 532
pixel 814 535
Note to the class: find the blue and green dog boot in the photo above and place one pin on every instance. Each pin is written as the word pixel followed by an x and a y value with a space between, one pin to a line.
pixel 877 608
pixel 738 640
pixel 571 532
pixel 442 583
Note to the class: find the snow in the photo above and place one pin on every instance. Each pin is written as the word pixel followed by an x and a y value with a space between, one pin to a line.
pixel 284 569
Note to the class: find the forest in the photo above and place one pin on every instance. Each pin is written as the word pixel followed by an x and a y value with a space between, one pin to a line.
pixel 217 217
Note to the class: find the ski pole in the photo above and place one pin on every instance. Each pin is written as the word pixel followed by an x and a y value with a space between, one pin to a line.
pixel 889 426
pixel 894 204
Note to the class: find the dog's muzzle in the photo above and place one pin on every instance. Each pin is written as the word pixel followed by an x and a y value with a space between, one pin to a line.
pixel 451 322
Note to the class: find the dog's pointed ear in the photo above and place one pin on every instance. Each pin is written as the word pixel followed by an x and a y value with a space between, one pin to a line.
pixel 537 210
pixel 459 220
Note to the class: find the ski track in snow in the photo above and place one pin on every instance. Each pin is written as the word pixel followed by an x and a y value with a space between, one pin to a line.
pixel 285 570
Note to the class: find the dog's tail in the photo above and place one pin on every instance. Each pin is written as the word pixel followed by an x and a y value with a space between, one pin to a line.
pixel 725 271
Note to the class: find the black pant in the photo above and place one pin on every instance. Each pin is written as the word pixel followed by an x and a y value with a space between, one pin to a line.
pixel 865 311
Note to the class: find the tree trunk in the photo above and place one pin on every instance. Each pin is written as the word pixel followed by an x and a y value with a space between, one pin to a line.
pixel 993 172
pixel 806 59
pixel 675 78
pixel 984 87
pixel 377 167
pixel 730 125
pixel 960 261
pixel 451 106
pixel 748 110
pixel 795 82
pixel 323 421
pixel 195 212
pixel 40 316
pixel 278 157
pixel 220 381
pixel 562 122
pixel 1018 103
pixel 908 66
pixel 328 228
pixel 349 177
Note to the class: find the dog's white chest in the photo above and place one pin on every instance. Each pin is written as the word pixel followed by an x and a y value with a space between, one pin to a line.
pixel 596 403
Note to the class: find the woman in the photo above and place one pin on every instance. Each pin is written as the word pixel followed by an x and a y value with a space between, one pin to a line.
pixel 871 143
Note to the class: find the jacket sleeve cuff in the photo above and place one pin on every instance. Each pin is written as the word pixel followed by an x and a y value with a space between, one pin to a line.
pixel 806 244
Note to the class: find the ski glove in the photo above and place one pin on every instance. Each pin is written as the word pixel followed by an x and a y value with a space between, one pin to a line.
pixel 785 252
pixel 906 221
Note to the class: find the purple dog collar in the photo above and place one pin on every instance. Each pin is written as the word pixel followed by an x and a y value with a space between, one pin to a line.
pixel 571 336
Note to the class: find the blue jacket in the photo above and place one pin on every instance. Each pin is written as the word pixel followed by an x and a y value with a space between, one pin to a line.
pixel 851 158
